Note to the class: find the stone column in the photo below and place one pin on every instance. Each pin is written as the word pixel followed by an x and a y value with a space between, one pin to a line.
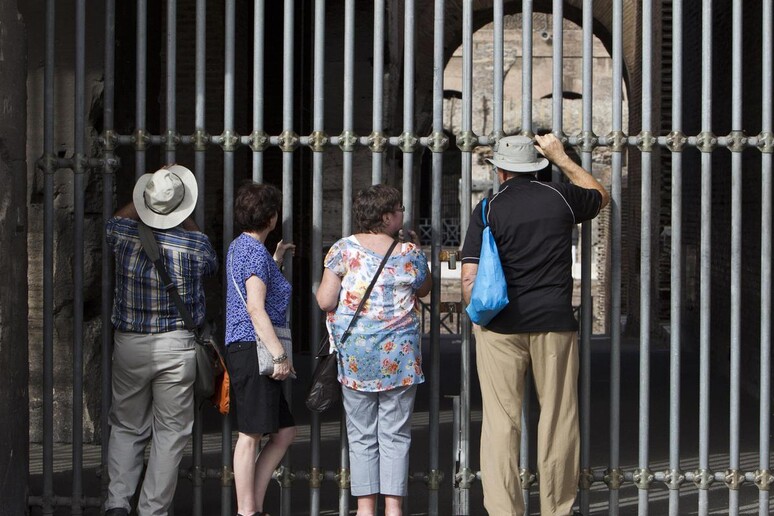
pixel 13 262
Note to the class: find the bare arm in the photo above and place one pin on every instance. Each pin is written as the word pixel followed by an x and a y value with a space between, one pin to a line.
pixel 328 291
pixel 468 276
pixel 256 309
pixel 426 285
pixel 550 147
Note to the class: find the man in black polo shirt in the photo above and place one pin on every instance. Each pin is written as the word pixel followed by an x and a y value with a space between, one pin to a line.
pixel 532 223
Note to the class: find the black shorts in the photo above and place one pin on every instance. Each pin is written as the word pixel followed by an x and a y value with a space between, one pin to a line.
pixel 258 400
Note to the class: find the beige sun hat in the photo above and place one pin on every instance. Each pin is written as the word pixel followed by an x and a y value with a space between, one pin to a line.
pixel 166 197
pixel 517 154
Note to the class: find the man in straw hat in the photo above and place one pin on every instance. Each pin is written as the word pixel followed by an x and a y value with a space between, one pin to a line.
pixel 154 364
pixel 532 223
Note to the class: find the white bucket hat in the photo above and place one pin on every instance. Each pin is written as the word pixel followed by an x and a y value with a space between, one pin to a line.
pixel 517 154
pixel 167 197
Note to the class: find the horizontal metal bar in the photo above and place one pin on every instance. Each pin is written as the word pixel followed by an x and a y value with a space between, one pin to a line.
pixel 64 501
pixel 762 141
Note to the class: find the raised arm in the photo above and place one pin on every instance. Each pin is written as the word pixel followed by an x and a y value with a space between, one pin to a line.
pixel 550 147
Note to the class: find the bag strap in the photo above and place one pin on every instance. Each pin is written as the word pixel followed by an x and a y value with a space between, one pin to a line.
pixel 348 331
pixel 483 211
pixel 367 293
pixel 151 247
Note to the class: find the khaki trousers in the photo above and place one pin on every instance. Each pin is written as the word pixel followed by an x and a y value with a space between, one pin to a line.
pixel 153 401
pixel 502 362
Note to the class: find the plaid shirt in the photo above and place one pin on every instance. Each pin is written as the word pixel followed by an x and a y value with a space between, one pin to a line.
pixel 141 304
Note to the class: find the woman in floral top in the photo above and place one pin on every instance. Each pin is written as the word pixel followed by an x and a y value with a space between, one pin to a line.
pixel 380 364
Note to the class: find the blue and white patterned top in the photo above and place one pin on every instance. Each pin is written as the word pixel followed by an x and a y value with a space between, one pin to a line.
pixel 141 304
pixel 249 257
pixel 383 351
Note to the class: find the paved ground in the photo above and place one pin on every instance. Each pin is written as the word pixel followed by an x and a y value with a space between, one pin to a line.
pixel 417 502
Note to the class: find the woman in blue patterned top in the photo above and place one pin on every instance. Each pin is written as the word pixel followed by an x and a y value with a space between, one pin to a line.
pixel 259 309
pixel 380 364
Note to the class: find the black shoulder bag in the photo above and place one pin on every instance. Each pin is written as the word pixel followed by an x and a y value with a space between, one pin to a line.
pixel 209 362
pixel 325 389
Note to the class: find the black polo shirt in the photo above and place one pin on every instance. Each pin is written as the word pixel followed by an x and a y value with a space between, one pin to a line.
pixel 532 223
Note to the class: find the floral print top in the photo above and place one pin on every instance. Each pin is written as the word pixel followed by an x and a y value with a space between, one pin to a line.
pixel 383 351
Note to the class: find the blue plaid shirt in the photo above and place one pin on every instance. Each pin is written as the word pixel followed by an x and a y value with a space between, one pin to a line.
pixel 141 305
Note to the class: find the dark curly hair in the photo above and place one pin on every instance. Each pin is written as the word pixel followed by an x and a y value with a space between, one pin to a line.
pixel 373 202
pixel 255 205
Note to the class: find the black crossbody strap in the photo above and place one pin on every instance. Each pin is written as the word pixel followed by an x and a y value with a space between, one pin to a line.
pixel 151 248
pixel 367 293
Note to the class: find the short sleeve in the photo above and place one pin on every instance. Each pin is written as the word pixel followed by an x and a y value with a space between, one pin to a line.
pixel 585 203
pixel 334 260
pixel 251 262
pixel 472 246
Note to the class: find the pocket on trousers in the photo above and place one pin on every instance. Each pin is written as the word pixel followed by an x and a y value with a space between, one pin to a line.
pixel 242 362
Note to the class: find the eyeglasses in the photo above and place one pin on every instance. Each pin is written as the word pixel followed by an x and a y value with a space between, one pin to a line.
pixel 400 208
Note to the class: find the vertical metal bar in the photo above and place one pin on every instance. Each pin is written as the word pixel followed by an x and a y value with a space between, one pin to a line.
pixel 228 216
pixel 79 197
pixel 586 301
pixel 736 228
pixel 497 70
pixel 764 434
pixel 48 261
pixel 615 259
pixel 200 148
pixel 465 207
pixel 171 100
pixel 140 86
pixel 645 259
pixel 107 256
pixel 288 50
pixel 200 154
pixel 526 128
pixel 557 73
pixel 378 88
pixel 676 265
pixel 526 67
pixel 435 259
pixel 347 148
pixel 318 124
pixel 705 250
pixel 408 114
pixel 259 33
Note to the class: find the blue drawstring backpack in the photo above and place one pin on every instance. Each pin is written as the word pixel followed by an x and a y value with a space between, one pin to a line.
pixel 490 292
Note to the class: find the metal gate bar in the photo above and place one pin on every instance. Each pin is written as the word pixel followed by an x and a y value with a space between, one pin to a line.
pixel 528 477
pixel 735 345
pixel 466 141
pixel 674 476
pixel 643 477
pixel 376 139
pixel 587 146
pixel 706 249
pixel 614 477
pixel 108 173
pixel 141 136
pixel 258 138
pixel 315 316
pixel 347 140
pixel 763 477
pixel 48 262
pixel 79 199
